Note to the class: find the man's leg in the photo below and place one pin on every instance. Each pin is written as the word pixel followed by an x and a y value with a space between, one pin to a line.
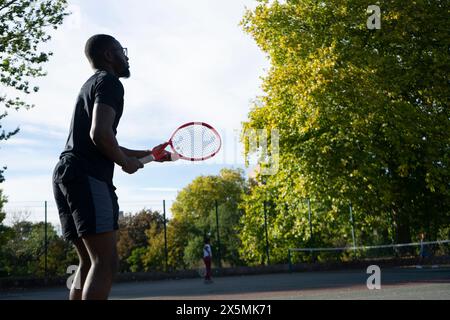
pixel 83 269
pixel 104 264
pixel 69 231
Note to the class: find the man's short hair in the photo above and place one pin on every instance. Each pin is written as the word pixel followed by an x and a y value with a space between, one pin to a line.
pixel 96 46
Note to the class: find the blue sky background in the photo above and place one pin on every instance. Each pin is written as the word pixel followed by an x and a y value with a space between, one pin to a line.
pixel 190 61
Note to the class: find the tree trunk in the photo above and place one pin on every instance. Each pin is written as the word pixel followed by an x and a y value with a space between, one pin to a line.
pixel 402 226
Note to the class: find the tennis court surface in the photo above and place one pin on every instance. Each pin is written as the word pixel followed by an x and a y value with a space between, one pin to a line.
pixel 396 283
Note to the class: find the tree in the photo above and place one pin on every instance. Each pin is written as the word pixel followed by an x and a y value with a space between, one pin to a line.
pixel 23 27
pixel 6 233
pixel 24 252
pixel 4 230
pixel 154 255
pixel 193 252
pixel 362 114
pixel 194 217
pixel 133 234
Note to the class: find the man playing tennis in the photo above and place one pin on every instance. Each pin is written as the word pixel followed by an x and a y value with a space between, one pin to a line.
pixel 82 179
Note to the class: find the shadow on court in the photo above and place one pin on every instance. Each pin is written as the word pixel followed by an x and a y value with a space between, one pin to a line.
pixel 399 283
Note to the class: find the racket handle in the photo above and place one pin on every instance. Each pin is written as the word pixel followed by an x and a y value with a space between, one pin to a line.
pixel 147 159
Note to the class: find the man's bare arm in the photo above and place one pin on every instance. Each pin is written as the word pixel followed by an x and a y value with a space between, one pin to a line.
pixel 135 153
pixel 141 154
pixel 103 137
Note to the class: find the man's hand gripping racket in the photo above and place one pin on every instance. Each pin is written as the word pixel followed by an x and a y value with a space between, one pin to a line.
pixel 193 141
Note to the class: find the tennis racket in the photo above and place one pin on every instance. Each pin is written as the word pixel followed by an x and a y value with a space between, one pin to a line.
pixel 193 141
pixel 201 271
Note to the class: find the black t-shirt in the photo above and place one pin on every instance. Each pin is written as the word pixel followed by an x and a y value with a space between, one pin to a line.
pixel 105 88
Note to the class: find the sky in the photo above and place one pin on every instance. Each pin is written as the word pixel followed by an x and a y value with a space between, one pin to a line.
pixel 189 61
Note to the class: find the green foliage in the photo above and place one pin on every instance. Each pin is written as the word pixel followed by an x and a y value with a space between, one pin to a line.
pixel 23 27
pixel 6 233
pixel 193 252
pixel 154 258
pixel 178 233
pixel 135 260
pixel 24 252
pixel 4 230
pixel 194 216
pixel 133 234
pixel 363 118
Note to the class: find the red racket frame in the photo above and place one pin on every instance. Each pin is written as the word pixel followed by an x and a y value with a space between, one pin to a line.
pixel 195 123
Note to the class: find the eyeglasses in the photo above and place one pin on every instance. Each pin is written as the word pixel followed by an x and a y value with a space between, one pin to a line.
pixel 124 50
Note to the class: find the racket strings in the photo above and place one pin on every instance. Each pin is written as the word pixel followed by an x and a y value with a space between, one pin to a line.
pixel 196 141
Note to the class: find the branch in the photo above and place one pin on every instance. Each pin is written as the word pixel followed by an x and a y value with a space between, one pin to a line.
pixel 8 4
